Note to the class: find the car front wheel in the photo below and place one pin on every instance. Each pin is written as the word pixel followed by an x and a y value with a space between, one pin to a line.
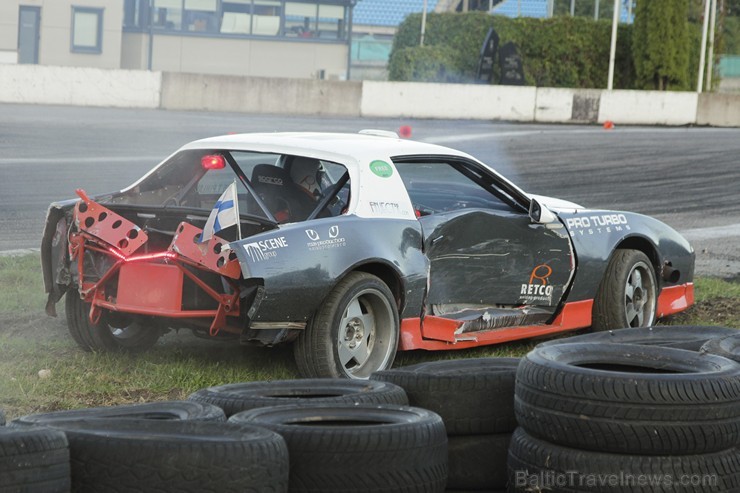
pixel 628 293
pixel 353 334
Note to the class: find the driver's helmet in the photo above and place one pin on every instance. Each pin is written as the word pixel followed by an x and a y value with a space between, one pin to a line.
pixel 305 172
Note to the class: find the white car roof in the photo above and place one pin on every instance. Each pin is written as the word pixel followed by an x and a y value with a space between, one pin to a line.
pixel 343 148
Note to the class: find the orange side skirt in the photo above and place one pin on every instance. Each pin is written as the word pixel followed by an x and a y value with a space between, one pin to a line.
pixel 438 333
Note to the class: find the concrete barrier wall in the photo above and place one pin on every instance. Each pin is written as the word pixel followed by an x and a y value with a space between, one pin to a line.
pixel 719 110
pixel 648 107
pixel 428 100
pixel 79 86
pixel 37 84
pixel 260 95
pixel 555 105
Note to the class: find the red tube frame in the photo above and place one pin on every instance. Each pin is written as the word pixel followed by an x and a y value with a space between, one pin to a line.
pixel 94 293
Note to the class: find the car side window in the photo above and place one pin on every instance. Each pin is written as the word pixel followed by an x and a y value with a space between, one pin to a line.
pixel 441 186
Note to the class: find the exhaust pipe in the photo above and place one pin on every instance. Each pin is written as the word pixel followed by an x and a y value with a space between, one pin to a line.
pixel 669 274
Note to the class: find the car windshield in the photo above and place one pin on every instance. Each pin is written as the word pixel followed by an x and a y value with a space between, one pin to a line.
pixel 289 188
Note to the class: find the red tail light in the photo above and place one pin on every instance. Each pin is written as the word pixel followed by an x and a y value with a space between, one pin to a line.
pixel 214 161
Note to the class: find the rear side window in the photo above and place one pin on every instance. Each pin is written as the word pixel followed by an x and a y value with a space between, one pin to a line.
pixel 289 187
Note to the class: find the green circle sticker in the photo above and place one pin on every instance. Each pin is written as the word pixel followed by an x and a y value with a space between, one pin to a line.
pixel 381 168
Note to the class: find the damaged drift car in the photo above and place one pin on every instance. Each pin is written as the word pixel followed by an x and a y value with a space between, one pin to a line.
pixel 350 247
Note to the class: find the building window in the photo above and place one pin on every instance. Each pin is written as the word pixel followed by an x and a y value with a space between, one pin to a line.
pixel 300 19
pixel 201 15
pixel 167 14
pixel 87 30
pixel 325 19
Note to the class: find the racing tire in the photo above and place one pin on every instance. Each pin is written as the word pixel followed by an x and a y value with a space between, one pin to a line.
pixel 34 461
pixel 629 399
pixel 690 337
pixel 628 293
pixel 237 397
pixel 359 448
pixel 172 410
pixel 477 462
pixel 727 347
pixel 354 333
pixel 107 334
pixel 536 465
pixel 174 456
pixel 474 396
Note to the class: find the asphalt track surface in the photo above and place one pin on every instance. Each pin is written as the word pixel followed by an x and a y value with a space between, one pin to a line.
pixel 687 177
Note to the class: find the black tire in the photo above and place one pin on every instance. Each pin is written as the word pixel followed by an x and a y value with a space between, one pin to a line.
pixel 690 337
pixel 174 456
pixel 114 332
pixel 334 341
pixel 34 461
pixel 2 418
pixel 536 465
pixel 237 397
pixel 727 347
pixel 474 396
pixel 629 399
pixel 359 448
pixel 477 462
pixel 613 298
pixel 172 410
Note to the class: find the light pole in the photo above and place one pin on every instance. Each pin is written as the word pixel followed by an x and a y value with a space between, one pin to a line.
pixel 423 23
pixel 613 51
pixel 705 28
pixel 150 50
pixel 710 58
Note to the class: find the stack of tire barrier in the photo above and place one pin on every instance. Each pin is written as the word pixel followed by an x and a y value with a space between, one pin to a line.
pixel 609 416
pixel 475 398
pixel 343 435
pixel 161 446
pixel 300 435
pixel 338 448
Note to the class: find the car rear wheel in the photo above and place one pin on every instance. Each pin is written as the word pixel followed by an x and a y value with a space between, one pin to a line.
pixel 113 332
pixel 353 333
pixel 628 293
